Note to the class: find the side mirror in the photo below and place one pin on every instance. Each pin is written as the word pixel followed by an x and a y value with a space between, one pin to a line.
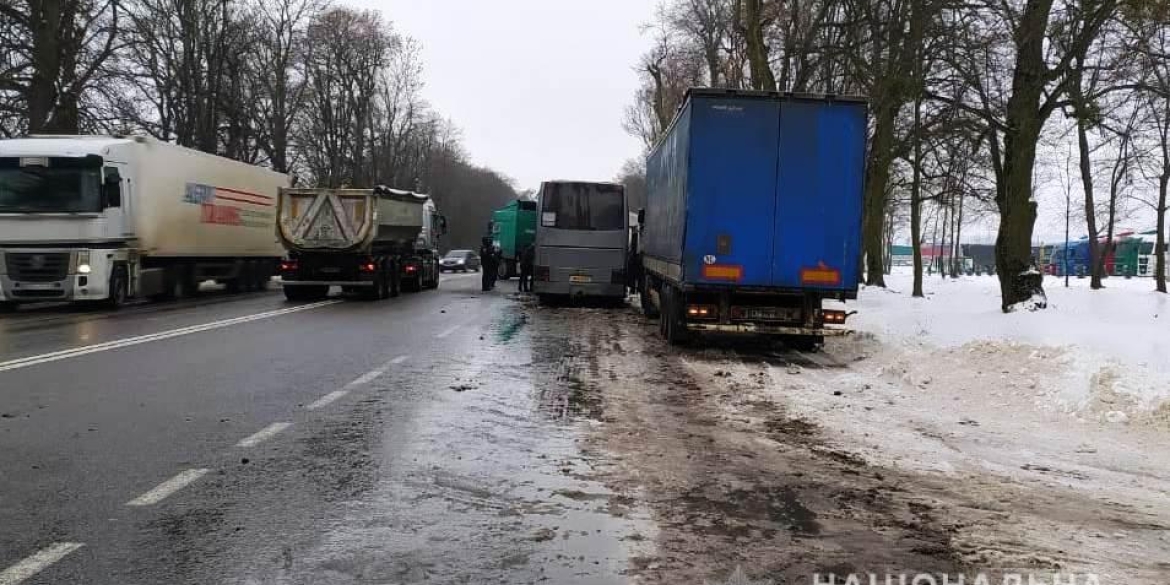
pixel 641 216
pixel 112 188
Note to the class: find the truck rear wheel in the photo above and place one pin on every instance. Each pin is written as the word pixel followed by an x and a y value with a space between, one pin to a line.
pixel 502 272
pixel 260 276
pixel 674 327
pixel 648 308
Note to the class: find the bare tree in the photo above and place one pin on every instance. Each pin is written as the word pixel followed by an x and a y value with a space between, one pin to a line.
pixel 1044 52
pixel 51 53
pixel 279 56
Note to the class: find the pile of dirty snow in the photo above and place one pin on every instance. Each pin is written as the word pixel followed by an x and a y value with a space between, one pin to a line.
pixel 1098 355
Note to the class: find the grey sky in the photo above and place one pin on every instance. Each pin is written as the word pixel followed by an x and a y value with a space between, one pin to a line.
pixel 538 87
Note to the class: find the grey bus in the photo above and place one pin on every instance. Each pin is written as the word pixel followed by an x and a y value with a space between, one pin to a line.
pixel 581 241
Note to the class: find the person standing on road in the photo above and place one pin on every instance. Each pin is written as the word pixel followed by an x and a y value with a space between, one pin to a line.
pixel 491 263
pixel 527 265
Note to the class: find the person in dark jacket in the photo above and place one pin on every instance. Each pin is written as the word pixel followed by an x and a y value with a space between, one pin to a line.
pixel 490 261
pixel 527 265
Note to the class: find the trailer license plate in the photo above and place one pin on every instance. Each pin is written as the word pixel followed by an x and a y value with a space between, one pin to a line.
pixel 330 270
pixel 763 314
pixel 580 279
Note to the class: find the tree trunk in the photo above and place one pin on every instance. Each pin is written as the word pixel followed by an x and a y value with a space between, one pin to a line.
pixel 41 97
pixel 877 178
pixel 916 202
pixel 1090 205
pixel 1160 245
pixel 1024 122
pixel 757 49
pixel 958 245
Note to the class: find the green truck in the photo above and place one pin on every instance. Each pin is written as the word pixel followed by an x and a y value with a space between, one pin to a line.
pixel 513 229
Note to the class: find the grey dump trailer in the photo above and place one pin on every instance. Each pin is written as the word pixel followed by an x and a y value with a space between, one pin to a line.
pixel 370 242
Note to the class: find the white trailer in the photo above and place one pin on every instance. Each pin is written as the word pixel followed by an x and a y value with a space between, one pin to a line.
pixel 104 219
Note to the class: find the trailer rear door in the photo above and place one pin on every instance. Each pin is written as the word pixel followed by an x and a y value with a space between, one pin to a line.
pixel 819 194
pixel 732 207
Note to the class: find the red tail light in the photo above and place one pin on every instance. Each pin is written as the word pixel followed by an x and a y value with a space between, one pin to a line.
pixel 543 273
pixel 367 267
pixel 412 268
pixel 835 317
pixel 289 265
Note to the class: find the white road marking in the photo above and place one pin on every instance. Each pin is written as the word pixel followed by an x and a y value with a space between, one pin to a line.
pixel 367 378
pixel 130 341
pixel 362 380
pixel 328 399
pixel 264 434
pixel 38 562
pixel 448 331
pixel 168 487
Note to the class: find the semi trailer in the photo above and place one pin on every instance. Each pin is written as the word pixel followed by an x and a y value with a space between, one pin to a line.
pixel 753 216
pixel 104 219
pixel 373 243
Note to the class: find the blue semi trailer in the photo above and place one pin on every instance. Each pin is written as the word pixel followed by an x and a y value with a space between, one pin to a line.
pixel 753 215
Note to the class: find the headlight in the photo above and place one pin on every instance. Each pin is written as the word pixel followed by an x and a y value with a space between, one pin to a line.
pixel 82 259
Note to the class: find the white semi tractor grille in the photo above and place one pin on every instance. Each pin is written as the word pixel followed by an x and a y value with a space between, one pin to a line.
pixel 37 267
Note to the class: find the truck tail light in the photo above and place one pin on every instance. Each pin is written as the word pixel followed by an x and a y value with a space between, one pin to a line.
pixel 835 317
pixel 617 277
pixel 543 273
pixel 411 268
pixel 702 311
pixel 289 265
pixel 367 266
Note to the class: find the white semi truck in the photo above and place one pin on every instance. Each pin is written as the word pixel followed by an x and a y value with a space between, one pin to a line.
pixel 104 219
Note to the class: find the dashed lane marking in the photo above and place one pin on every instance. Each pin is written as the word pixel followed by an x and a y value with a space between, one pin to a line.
pixel 130 341
pixel 38 562
pixel 448 331
pixel 362 380
pixel 328 399
pixel 264 434
pixel 168 487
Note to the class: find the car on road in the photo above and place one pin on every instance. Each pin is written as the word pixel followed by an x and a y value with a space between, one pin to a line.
pixel 461 260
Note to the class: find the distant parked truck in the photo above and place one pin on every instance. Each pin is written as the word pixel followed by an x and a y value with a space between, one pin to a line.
pixel 107 218
pixel 581 241
pixel 753 215
pixel 371 242
pixel 513 229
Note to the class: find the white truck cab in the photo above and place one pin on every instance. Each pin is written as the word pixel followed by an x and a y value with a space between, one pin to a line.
pixel 106 218
pixel 62 217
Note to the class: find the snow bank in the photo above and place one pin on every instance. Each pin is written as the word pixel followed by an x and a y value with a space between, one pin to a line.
pixel 1102 355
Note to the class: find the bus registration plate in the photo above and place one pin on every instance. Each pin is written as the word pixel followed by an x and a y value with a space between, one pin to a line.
pixel 580 279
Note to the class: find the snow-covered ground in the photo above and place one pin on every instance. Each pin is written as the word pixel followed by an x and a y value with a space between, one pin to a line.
pixel 1042 434
pixel 1101 355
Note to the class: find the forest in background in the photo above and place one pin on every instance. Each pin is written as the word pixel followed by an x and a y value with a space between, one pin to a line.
pixel 328 94
pixel 968 101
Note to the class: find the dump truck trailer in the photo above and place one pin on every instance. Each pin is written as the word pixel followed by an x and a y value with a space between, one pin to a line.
pixel 104 219
pixel 370 242
pixel 753 215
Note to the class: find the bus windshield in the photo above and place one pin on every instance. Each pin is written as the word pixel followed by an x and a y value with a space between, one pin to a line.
pixel 584 206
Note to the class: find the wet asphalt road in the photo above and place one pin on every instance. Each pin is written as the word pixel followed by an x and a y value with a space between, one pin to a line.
pixel 243 439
